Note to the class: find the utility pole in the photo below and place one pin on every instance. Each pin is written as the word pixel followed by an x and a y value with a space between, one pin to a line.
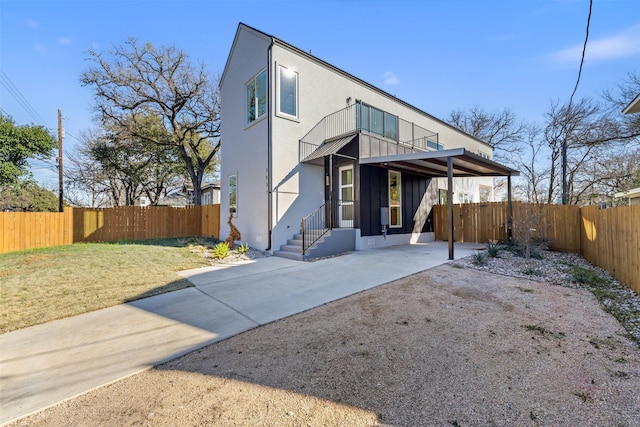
pixel 60 194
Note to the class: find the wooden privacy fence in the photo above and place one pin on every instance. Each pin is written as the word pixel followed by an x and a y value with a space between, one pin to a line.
pixel 608 238
pixel 27 230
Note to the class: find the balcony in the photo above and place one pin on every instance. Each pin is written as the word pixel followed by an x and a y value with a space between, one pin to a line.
pixel 361 117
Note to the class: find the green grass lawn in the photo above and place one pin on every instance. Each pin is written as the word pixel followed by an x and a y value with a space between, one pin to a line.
pixel 37 286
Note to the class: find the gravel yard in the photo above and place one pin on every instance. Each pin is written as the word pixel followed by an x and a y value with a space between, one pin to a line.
pixel 451 346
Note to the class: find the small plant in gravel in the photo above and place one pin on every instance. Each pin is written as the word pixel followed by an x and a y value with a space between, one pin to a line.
pixel 584 396
pixel 587 277
pixel 493 249
pixel 221 251
pixel 243 248
pixel 600 286
pixel 479 258
pixel 531 271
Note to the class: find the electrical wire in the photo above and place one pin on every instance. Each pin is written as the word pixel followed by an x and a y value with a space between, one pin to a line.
pixel 575 88
pixel 19 97
pixel 584 49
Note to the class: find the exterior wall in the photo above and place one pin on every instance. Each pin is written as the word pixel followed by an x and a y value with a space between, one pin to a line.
pixel 296 189
pixel 417 202
pixel 244 147
pixel 372 242
pixel 299 189
pixel 211 196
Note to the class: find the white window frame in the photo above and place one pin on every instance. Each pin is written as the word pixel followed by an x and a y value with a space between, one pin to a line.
pixel 233 207
pixel 464 198
pixel 399 206
pixel 254 81
pixel 284 69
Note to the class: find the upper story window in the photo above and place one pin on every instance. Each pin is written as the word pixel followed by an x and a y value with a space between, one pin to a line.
pixel 257 97
pixel 376 121
pixel 288 92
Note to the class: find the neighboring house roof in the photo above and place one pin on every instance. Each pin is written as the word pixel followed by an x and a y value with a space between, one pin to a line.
pixel 632 194
pixel 212 185
pixel 275 40
pixel 633 107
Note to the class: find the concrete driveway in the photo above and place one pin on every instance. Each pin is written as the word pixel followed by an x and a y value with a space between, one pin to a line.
pixel 45 364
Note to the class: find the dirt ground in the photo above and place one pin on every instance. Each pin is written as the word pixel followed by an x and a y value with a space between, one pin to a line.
pixel 445 347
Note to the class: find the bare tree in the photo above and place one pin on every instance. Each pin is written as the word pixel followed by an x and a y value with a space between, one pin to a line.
pixel 135 81
pixel 85 178
pixel 501 130
pixel 612 171
pixel 617 99
pixel 534 172
pixel 581 127
pixel 123 168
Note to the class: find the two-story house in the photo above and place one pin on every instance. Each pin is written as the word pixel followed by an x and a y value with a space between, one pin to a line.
pixel 312 152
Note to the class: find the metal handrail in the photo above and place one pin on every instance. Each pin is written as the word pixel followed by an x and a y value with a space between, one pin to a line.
pixel 325 218
pixel 314 226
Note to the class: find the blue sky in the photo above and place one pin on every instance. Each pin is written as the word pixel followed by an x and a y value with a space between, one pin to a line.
pixel 439 55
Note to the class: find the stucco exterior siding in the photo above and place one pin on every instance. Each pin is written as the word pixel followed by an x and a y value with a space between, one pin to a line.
pixel 275 190
pixel 244 148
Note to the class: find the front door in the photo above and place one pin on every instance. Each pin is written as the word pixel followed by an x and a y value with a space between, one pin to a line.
pixel 345 197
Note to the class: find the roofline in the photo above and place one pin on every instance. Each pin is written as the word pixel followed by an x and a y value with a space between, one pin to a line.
pixel 633 107
pixel 629 193
pixel 233 46
pixel 275 40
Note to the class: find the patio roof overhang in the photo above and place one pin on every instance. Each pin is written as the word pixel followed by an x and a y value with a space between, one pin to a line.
pixel 457 163
pixel 435 164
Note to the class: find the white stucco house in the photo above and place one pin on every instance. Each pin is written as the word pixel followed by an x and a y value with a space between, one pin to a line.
pixel 311 152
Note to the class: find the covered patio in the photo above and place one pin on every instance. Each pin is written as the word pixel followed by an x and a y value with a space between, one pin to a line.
pixel 453 163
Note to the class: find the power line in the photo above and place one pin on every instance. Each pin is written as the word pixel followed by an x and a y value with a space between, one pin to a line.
pixel 584 49
pixel 575 88
pixel 19 97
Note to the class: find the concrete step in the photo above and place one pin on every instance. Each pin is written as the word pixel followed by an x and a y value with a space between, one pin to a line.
pixel 291 248
pixel 296 256
pixel 294 242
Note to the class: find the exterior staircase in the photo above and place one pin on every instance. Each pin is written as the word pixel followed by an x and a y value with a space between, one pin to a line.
pixel 334 242
pixel 292 250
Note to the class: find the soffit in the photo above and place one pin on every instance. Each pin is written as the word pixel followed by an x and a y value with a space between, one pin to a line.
pixel 434 164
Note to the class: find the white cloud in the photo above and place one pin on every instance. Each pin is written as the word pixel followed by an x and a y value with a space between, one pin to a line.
pixel 64 41
pixel 390 78
pixel 624 44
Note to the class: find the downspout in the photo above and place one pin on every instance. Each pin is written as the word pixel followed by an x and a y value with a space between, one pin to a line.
pixel 269 159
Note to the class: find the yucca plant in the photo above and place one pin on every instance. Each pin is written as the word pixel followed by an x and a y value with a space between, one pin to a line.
pixel 221 251
pixel 480 258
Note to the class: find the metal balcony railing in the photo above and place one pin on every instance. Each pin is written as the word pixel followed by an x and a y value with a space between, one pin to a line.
pixel 360 116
